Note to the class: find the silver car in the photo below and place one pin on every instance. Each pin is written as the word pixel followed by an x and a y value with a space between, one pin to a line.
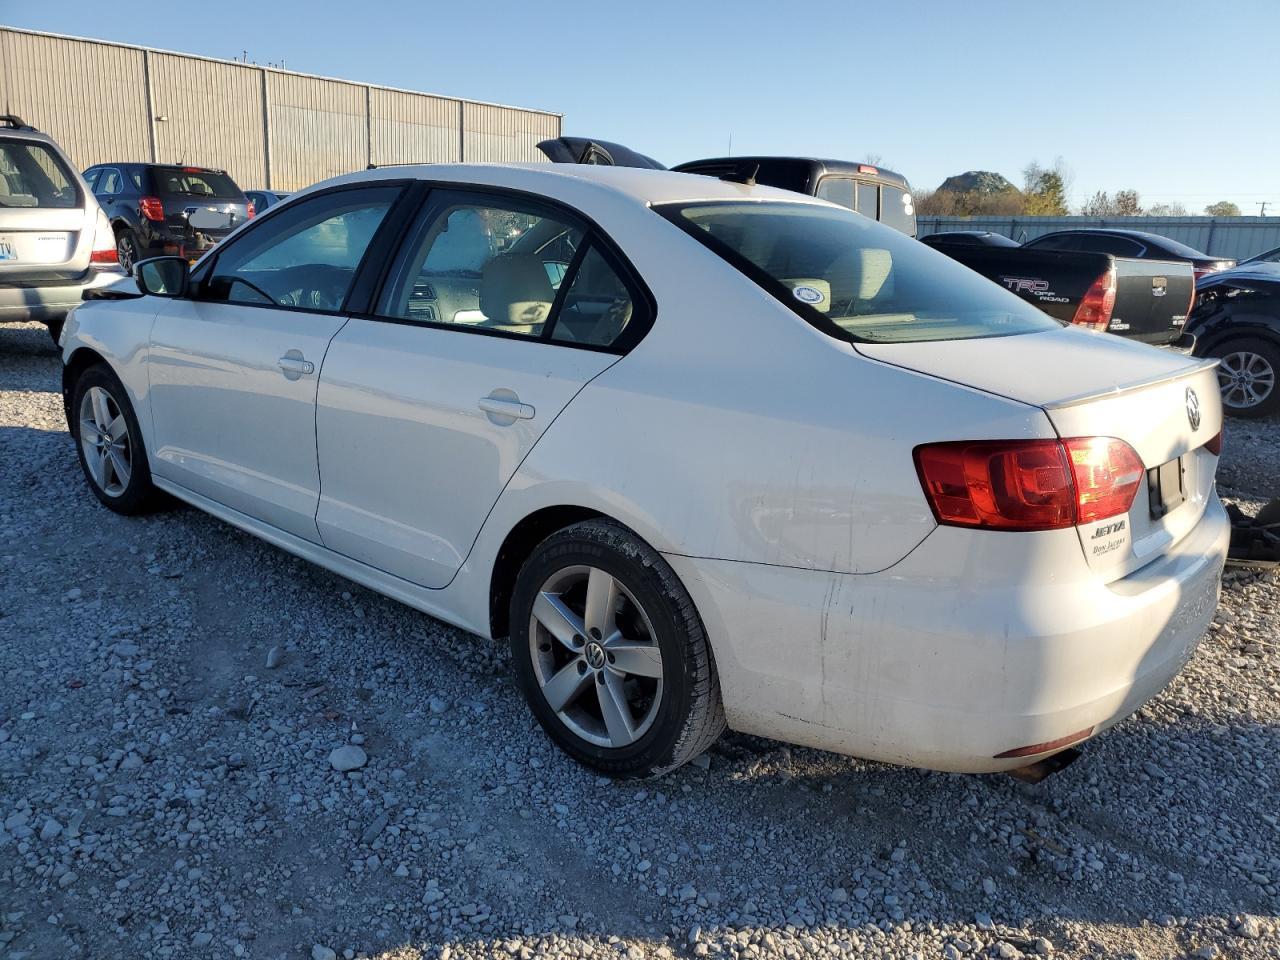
pixel 55 242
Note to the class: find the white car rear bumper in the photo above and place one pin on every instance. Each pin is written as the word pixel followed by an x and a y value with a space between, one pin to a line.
pixel 942 661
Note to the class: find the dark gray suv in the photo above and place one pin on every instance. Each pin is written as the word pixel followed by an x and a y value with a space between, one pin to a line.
pixel 160 209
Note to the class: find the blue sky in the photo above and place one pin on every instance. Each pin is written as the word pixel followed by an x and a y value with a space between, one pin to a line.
pixel 1177 99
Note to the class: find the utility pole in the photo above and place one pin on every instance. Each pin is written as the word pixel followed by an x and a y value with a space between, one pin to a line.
pixel 1263 211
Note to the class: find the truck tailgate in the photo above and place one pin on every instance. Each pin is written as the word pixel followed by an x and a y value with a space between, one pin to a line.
pixel 1153 298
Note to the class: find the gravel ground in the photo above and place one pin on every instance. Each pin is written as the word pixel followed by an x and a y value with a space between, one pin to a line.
pixel 174 691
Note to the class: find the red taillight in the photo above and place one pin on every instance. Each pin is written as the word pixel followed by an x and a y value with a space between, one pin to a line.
pixel 867 168
pixel 151 208
pixel 1107 474
pixel 1214 445
pixel 103 252
pixel 252 210
pixel 1099 300
pixel 1028 484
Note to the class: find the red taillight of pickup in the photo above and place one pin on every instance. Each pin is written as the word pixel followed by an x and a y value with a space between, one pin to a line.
pixel 1028 484
pixel 1094 311
pixel 152 208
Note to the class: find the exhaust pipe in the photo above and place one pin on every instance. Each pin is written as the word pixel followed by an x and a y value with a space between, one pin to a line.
pixel 1035 772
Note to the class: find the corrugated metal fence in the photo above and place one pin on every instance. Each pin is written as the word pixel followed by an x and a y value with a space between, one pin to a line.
pixel 267 127
pixel 1237 237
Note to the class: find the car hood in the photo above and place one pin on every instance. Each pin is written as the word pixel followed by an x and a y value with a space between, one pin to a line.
pixel 1043 369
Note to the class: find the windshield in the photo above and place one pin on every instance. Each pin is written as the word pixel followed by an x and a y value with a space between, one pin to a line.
pixel 32 175
pixel 192 182
pixel 852 277
pixel 896 209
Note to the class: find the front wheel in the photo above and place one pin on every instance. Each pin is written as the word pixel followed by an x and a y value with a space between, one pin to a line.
pixel 1249 376
pixel 611 654
pixel 109 443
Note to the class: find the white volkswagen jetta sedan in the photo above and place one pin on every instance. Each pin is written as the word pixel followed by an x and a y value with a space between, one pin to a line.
pixel 707 453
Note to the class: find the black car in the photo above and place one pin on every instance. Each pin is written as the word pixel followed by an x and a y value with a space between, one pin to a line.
pixel 968 238
pixel 1237 319
pixel 1130 243
pixel 869 189
pixel 166 209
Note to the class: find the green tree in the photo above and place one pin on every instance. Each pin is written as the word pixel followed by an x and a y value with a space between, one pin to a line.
pixel 1223 208
pixel 1044 190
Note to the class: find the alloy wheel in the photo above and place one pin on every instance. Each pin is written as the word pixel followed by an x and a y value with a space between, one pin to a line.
pixel 125 252
pixel 595 656
pixel 105 440
pixel 1246 379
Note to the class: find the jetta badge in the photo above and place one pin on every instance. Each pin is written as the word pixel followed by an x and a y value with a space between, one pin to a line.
pixel 1193 409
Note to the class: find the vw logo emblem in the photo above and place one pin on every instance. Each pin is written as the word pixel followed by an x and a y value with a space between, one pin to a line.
pixel 595 655
pixel 1193 409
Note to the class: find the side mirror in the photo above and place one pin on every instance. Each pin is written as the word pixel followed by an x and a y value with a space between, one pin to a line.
pixel 162 276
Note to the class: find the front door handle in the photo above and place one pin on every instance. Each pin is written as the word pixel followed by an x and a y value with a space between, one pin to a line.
pixel 502 407
pixel 294 365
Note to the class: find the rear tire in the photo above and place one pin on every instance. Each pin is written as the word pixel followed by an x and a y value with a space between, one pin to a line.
pixel 611 654
pixel 109 443
pixel 126 249
pixel 1249 376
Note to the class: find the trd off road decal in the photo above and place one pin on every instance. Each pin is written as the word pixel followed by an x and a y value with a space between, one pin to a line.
pixel 1036 288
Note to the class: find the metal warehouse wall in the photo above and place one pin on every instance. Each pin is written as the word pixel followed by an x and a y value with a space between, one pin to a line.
pixel 268 128
pixel 1237 237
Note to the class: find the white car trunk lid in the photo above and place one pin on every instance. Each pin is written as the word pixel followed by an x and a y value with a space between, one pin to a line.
pixel 1164 405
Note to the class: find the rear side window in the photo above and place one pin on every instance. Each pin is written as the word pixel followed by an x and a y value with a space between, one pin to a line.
pixel 505 265
pixel 1067 242
pixel 193 182
pixel 1116 246
pixel 853 278
pixel 32 175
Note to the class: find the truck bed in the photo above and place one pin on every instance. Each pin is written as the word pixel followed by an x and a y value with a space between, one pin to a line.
pixel 1152 296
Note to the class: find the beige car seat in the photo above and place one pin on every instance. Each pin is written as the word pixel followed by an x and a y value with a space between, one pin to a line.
pixel 516 293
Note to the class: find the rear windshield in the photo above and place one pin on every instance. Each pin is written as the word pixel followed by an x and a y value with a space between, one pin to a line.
pixel 32 175
pixel 852 277
pixel 896 209
pixel 190 182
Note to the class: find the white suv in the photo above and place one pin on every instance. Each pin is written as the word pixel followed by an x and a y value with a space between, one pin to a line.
pixel 55 242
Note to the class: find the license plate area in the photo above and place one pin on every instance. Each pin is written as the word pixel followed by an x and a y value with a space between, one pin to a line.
pixel 1166 488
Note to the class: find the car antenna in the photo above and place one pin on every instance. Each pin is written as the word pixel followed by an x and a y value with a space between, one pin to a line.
pixel 744 174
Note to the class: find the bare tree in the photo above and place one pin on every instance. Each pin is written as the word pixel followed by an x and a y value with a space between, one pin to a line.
pixel 1099 205
pixel 1166 210
pixel 1128 204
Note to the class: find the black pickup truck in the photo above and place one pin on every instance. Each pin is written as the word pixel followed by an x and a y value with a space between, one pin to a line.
pixel 1146 300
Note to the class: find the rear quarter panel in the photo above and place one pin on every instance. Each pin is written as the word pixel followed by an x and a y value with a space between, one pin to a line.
pixel 1053 281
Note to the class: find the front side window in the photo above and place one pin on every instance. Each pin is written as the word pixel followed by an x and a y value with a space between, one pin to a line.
pixel 854 278
pixel 32 175
pixel 110 182
pixel 305 257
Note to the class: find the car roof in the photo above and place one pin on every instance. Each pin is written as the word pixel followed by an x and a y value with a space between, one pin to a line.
pixel 1110 232
pixel 565 181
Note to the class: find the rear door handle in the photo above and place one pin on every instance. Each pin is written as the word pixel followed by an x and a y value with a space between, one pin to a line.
pixel 294 366
pixel 500 407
